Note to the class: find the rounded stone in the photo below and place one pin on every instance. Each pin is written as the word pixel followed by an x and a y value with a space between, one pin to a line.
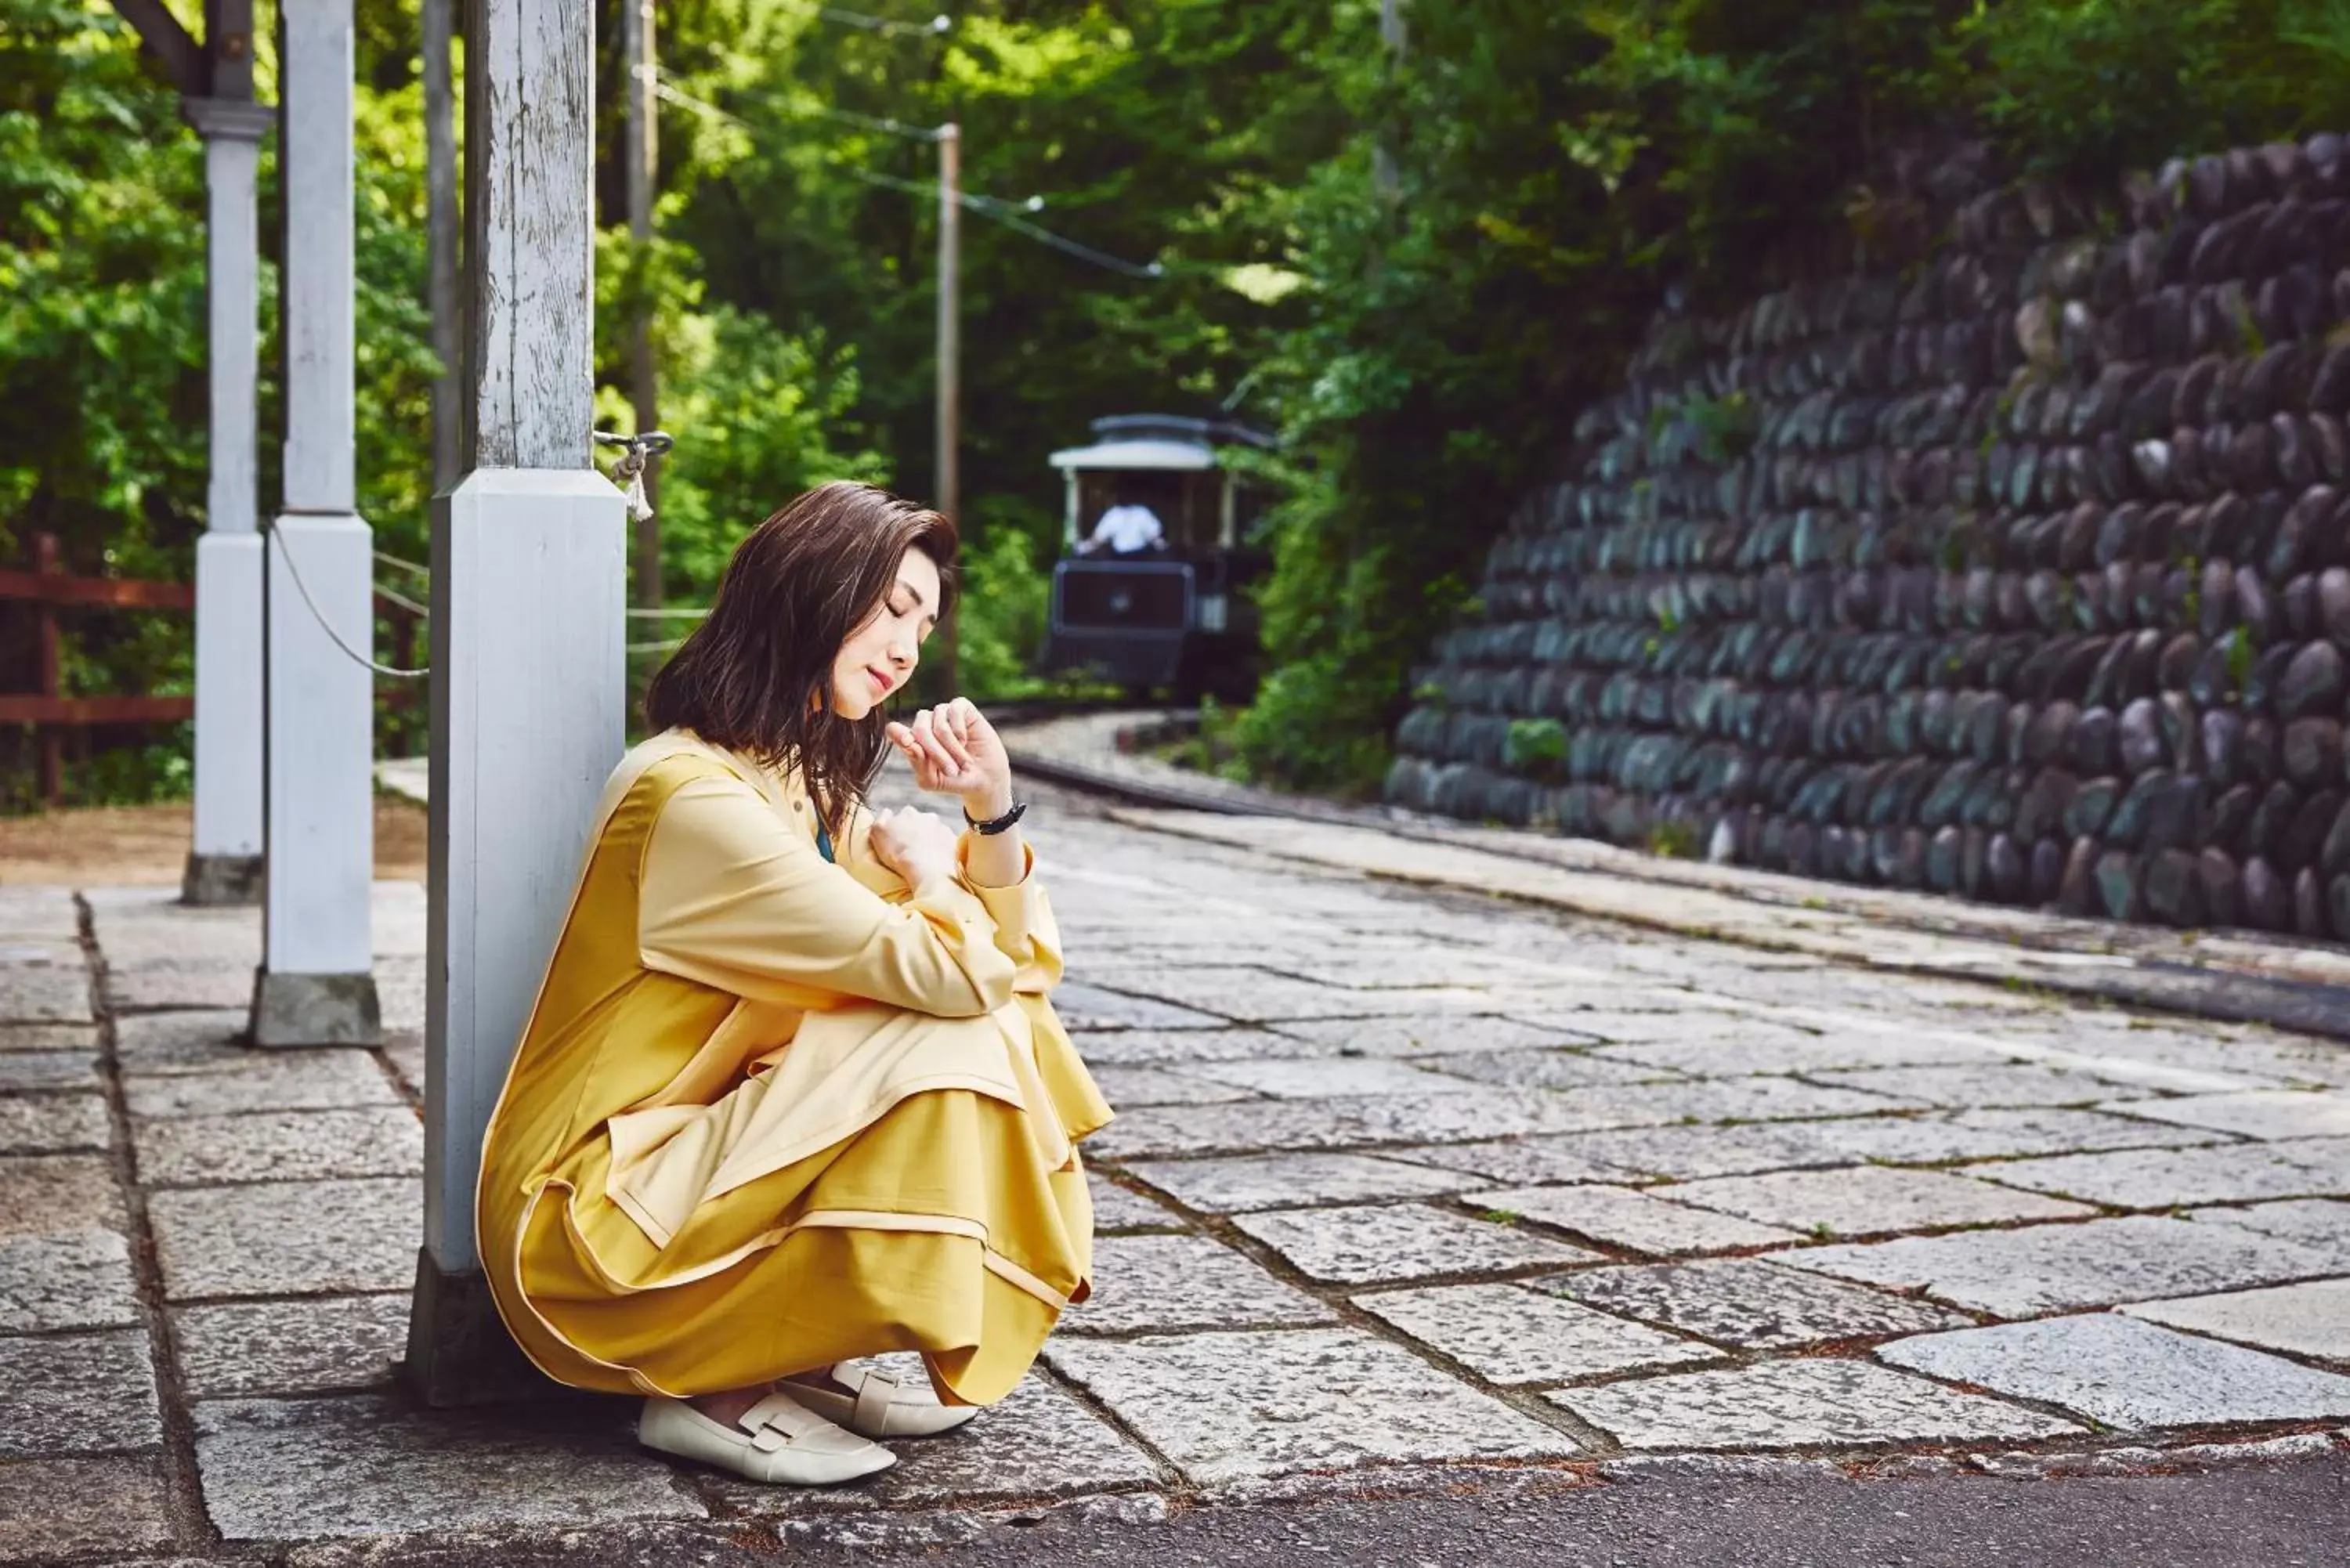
pixel 2304 836
pixel 2309 914
pixel 2313 751
pixel 2268 897
pixel 2220 743
pixel 2097 742
pixel 2174 887
pixel 2141 736
pixel 2119 886
pixel 2047 870
pixel 2007 876
pixel 2222 887
pixel 2313 682
pixel 2092 805
pixel 2229 818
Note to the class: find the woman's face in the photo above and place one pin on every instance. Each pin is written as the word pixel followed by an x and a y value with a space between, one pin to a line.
pixel 880 655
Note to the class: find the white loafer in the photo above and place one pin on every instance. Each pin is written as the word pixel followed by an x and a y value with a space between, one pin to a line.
pixel 778 1440
pixel 876 1404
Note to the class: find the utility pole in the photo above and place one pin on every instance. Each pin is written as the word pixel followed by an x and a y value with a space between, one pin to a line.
pixel 946 473
pixel 1385 176
pixel 641 154
pixel 440 220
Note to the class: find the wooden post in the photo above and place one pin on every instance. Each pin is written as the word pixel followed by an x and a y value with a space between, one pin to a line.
pixel 316 983
pixel 529 597
pixel 52 738
pixel 640 162
pixel 948 471
pixel 440 220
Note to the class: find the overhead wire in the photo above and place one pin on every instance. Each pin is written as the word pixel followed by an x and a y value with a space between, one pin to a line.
pixel 992 208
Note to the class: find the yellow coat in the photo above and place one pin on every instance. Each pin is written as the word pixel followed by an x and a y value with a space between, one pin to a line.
pixel 772 1112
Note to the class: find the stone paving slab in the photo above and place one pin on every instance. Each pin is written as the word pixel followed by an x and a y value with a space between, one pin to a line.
pixel 71 1279
pixel 1748 1303
pixel 1715 1041
pixel 280 1146
pixel 1116 1209
pixel 1799 1405
pixel 54 1124
pixel 1554 1069
pixel 25 1071
pixel 1991 1086
pixel 97 1395
pixel 1286 1180
pixel 1328 1077
pixel 2168 1178
pixel 2321 1225
pixel 1400 1241
pixel 2311 1319
pixel 1249 995
pixel 1512 1162
pixel 1870 1199
pixel 1039 1443
pixel 1787 1050
pixel 280 1470
pixel 1160 1284
pixel 1313 1399
pixel 310 1346
pixel 1943 1136
pixel 2261 1113
pixel 1090 1007
pixel 1633 1219
pixel 1129 1086
pixel 1687 1153
pixel 2128 1375
pixel 172 987
pixel 256 1079
pixel 204 1040
pixel 37 913
pixel 47 1194
pixel 1509 1335
pixel 44 994
pixel 1182 1048
pixel 1473 1113
pixel 1411 1037
pixel 63 1508
pixel 14 1037
pixel 276 1239
pixel 1742 1099
pixel 2055 1268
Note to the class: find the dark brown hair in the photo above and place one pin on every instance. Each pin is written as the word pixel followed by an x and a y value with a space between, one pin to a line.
pixel 756 676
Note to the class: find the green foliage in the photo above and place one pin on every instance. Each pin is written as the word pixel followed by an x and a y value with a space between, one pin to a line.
pixel 1415 268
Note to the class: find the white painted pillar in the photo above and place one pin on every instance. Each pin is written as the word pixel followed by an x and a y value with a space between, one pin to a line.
pixel 224 859
pixel 316 985
pixel 530 594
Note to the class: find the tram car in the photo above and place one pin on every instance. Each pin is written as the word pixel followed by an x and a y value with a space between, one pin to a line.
pixel 1150 589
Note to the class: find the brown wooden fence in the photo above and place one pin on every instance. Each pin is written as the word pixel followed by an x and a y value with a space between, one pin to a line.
pixel 48 710
pixel 54 715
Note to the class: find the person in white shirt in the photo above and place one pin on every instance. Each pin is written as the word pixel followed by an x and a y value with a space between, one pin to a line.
pixel 1128 528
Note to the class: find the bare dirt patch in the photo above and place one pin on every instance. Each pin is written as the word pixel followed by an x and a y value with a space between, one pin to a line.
pixel 147 845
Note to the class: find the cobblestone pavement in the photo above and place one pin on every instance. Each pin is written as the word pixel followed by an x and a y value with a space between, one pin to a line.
pixel 1407 1185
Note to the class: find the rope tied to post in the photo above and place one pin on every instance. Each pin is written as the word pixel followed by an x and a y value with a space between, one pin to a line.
pixel 628 470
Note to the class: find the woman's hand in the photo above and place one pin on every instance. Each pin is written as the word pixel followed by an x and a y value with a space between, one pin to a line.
pixel 955 751
pixel 916 845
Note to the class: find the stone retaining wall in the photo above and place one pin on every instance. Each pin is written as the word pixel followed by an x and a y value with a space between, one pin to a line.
pixel 2021 572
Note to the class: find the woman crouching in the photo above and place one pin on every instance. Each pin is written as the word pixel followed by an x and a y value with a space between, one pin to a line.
pixel 792 1093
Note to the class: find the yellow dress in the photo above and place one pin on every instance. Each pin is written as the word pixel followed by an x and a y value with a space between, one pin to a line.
pixel 772 1112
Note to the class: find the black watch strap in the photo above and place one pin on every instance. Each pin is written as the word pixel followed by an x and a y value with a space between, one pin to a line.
pixel 994 825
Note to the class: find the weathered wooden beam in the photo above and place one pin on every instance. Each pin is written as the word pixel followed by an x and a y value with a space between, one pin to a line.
pixel 529 590
pixel 39 587
pixel 181 57
pixel 25 708
pixel 530 372
pixel 228 44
